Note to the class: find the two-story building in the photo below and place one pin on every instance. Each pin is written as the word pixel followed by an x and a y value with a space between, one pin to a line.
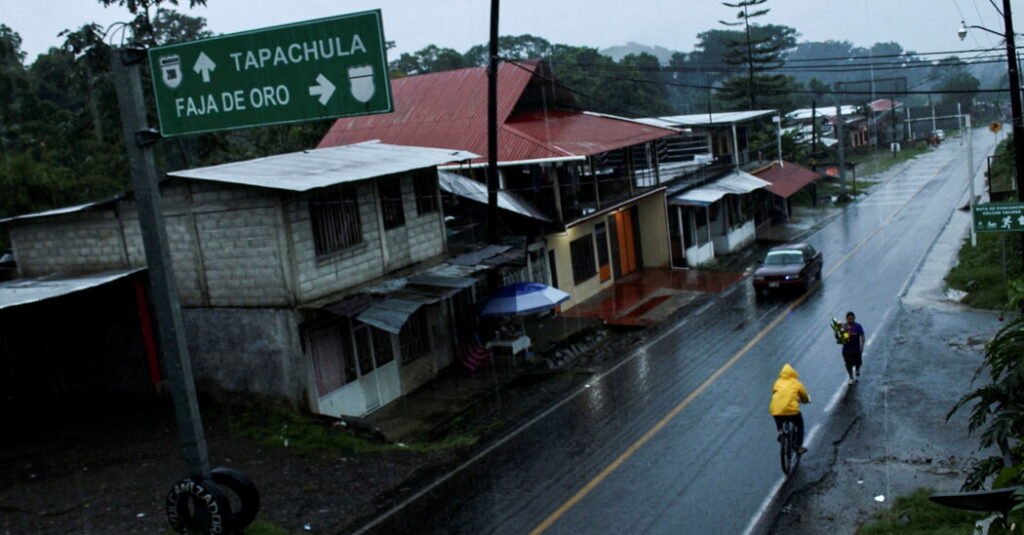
pixel 712 209
pixel 317 277
pixel 581 189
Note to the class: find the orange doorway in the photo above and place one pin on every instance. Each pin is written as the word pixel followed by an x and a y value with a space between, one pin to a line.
pixel 625 243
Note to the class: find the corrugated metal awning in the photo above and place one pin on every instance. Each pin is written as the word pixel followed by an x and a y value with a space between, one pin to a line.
pixel 475 258
pixel 67 209
pixel 737 183
pixel 390 314
pixel 468 188
pixel 318 168
pixel 25 291
pixel 706 119
pixel 351 305
pixel 444 281
pixel 787 178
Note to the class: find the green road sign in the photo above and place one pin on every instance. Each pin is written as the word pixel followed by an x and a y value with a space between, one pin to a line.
pixel 999 217
pixel 318 69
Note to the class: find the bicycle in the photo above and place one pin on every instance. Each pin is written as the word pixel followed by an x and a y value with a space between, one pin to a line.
pixel 788 447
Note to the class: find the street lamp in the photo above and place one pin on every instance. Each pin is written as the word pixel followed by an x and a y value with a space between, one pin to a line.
pixel 1015 108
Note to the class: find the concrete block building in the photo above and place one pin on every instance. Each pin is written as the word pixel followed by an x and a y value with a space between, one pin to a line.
pixel 293 270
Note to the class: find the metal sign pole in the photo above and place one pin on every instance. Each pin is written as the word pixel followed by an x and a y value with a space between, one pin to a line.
pixel 970 174
pixel 138 141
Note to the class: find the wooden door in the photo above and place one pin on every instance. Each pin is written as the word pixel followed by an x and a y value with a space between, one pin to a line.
pixel 626 236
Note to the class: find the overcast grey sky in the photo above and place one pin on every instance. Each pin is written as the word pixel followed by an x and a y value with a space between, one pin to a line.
pixel 919 25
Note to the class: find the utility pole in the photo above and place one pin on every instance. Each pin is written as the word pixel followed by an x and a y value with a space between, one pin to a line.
pixel 492 129
pixel 892 111
pixel 814 134
pixel 778 136
pixel 910 123
pixel 932 106
pixel 138 141
pixel 970 173
pixel 1013 73
pixel 841 150
pixel 814 150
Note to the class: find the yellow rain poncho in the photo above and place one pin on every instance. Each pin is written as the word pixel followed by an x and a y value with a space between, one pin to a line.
pixel 788 393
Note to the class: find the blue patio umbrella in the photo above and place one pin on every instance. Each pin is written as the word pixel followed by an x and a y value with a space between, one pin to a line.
pixel 522 298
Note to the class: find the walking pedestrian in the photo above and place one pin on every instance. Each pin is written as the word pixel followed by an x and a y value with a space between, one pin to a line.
pixel 853 349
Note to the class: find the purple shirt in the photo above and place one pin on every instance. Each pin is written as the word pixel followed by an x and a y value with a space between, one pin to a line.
pixel 856 332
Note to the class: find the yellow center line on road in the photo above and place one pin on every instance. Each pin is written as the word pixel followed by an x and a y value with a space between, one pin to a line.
pixel 583 492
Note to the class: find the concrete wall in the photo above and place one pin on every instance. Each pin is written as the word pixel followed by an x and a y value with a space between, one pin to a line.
pixel 652 231
pixel 250 350
pixel 379 253
pixel 416 373
pixel 230 244
pixel 559 244
pixel 84 242
pixel 223 239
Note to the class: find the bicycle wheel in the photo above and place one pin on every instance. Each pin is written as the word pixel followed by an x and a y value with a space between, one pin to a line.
pixel 786 447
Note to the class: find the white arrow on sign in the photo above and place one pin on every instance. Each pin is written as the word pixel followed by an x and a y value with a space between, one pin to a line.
pixel 204 65
pixel 324 88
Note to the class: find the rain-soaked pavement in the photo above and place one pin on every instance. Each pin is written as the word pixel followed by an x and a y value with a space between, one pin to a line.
pixel 676 438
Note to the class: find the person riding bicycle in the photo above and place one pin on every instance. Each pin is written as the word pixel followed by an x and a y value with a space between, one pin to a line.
pixel 787 395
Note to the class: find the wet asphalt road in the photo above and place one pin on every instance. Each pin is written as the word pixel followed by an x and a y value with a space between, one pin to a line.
pixel 677 437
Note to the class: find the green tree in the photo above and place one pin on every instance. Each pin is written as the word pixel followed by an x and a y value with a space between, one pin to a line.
pixel 998 409
pixel 759 53
pixel 953 75
pixel 431 58
pixel 516 47
pixel 649 94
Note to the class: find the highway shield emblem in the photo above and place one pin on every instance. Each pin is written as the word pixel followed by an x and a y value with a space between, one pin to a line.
pixel 361 80
pixel 170 68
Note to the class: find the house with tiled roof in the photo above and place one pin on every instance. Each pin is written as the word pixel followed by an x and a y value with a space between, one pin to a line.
pixel 580 190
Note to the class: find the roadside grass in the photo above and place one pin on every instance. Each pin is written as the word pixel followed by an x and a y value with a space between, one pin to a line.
pixel 871 163
pixel 881 160
pixel 979 270
pixel 305 435
pixel 830 187
pixel 914 514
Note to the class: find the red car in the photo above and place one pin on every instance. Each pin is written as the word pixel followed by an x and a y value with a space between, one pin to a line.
pixel 787 266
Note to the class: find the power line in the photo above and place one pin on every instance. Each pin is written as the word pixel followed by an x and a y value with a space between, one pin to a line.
pixel 804 91
pixel 833 67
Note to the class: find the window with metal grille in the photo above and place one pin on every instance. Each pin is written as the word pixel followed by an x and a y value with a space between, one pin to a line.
pixel 390 191
pixel 414 337
pixel 425 184
pixel 583 266
pixel 330 347
pixel 382 347
pixel 334 215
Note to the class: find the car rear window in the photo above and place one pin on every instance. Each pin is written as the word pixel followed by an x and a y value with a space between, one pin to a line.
pixel 778 258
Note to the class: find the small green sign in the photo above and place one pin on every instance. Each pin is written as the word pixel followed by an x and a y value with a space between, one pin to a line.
pixel 999 217
pixel 320 69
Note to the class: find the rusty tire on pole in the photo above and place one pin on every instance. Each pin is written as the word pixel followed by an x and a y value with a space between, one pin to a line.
pixel 197 503
pixel 245 503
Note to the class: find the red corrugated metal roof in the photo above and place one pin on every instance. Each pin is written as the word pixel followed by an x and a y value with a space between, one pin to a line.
pixel 435 109
pixel 580 134
pixel 449 110
pixel 787 179
pixel 884 104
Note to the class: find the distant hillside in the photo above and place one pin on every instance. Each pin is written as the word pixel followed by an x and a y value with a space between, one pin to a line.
pixel 618 52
